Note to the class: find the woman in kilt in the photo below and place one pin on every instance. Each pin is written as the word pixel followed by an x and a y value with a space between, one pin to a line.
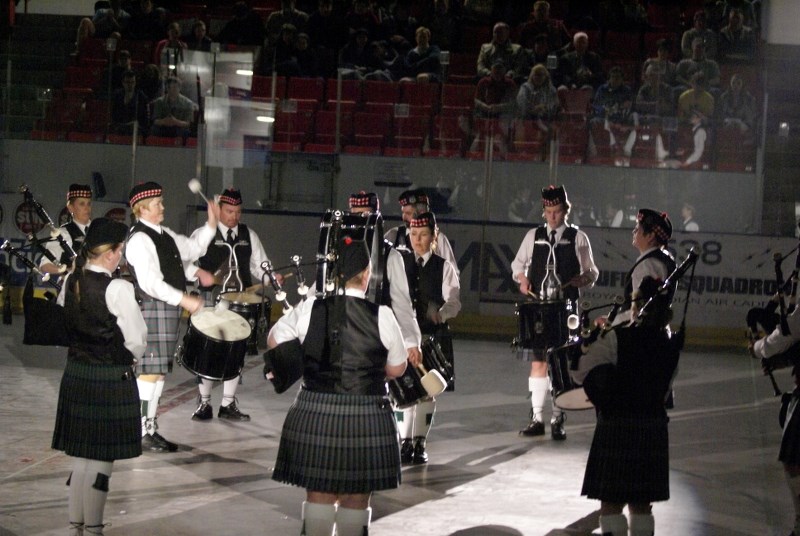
pixel 627 375
pixel 339 440
pixel 98 403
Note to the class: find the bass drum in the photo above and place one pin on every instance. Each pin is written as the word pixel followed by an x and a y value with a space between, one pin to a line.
pixel 408 389
pixel 215 344
pixel 367 227
pixel 249 306
pixel 566 393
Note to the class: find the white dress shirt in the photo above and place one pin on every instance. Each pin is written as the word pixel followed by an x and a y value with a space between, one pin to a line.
pixel 583 250
pixel 258 254
pixel 776 342
pixel 443 247
pixel 401 299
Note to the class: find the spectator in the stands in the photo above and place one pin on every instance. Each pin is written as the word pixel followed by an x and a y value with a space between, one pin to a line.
pixel 400 28
pixel 500 48
pixel 696 98
pixel 699 30
pixel 495 98
pixel 169 51
pixel 147 22
pixel 172 113
pixel 540 23
pixel 128 105
pixel 244 29
pixel 107 22
pixel 737 43
pixel 277 20
pixel 360 17
pixel 150 82
pixel 750 11
pixel 611 111
pixel 284 53
pixel 445 25
pixel 654 100
pixel 307 57
pixel 385 63
pixel 580 68
pixel 422 62
pixel 687 67
pixel 737 107
pixel 356 58
pixel 662 63
pixel 689 143
pixel 328 34
pixel 113 74
pixel 198 40
pixel 537 97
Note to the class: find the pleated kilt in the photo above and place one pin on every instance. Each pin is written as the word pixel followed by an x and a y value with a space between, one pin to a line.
pixel 163 322
pixel 339 443
pixel 98 413
pixel 790 442
pixel 629 460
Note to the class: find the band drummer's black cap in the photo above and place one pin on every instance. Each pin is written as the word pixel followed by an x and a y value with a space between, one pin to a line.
pixel 426 219
pixel 554 195
pixel 658 221
pixel 412 197
pixel 365 199
pixel 353 257
pixel 104 231
pixel 79 190
pixel 144 190
pixel 231 196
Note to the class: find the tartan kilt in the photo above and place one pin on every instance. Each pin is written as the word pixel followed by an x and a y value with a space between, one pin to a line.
pixel 98 415
pixel 629 460
pixel 339 443
pixel 790 442
pixel 163 325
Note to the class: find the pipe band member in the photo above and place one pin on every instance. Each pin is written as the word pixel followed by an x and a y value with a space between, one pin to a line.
pixel 160 261
pixel 339 437
pixel 79 205
pixel 576 270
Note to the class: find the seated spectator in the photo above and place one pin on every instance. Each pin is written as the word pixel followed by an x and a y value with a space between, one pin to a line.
pixel 149 82
pixel 244 29
pixel 147 22
pixel 173 113
pixel 687 67
pixel 541 51
pixel 169 51
pixel 749 9
pixel 360 17
pixel 198 40
pixel 495 98
pixel 696 98
pixel 445 26
pixel 581 67
pixel 400 28
pixel 501 49
pixel 307 58
pixel 699 30
pixel 537 97
pixel 355 58
pixel 113 75
pixel 422 62
pixel 737 43
pixel 385 64
pixel 328 34
pixel 662 64
pixel 288 14
pixel 611 111
pixel 737 107
pixel 540 23
pixel 128 105
pixel 654 100
pixel 284 54
pixel 107 22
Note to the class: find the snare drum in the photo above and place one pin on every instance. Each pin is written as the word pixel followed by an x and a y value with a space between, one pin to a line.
pixel 542 325
pixel 215 343
pixel 407 390
pixel 248 305
pixel 566 394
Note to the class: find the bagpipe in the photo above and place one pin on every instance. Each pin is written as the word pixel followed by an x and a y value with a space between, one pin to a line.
pixel 55 234
pixel 770 320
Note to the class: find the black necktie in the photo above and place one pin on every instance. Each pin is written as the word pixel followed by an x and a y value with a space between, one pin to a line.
pixel 552 238
pixel 231 239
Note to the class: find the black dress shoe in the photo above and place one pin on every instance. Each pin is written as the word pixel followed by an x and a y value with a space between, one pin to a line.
pixel 557 431
pixel 232 413
pixel 534 428
pixel 149 444
pixel 406 451
pixel 204 412
pixel 420 456
pixel 168 445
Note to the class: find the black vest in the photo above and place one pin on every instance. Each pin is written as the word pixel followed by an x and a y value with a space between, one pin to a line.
pixel 567 263
pixel 95 337
pixel 217 257
pixel 659 254
pixel 343 352
pixel 77 237
pixel 169 258
pixel 425 285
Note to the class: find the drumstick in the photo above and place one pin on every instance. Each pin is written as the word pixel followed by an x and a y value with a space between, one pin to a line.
pixel 195 187
pixel 532 295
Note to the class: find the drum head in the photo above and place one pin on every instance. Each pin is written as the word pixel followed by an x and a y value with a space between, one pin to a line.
pixel 240 297
pixel 220 324
pixel 575 399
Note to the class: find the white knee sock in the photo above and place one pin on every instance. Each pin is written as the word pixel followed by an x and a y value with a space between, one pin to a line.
pixel 351 522
pixel 95 492
pixel 614 525
pixel 794 487
pixel 538 388
pixel 146 391
pixel 405 421
pixel 318 519
pixel 423 418
pixel 205 387
pixel 642 525
pixel 76 490
pixel 229 391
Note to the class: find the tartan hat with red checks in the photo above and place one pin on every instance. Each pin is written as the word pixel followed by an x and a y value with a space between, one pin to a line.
pixel 365 199
pixel 231 196
pixel 412 197
pixel 426 219
pixel 79 190
pixel 144 190
pixel 657 221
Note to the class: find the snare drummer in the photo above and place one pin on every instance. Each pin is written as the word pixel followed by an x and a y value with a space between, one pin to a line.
pixel 160 261
pixel 79 205
pixel 435 294
pixel 575 268
pixel 249 255
pixel 339 437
